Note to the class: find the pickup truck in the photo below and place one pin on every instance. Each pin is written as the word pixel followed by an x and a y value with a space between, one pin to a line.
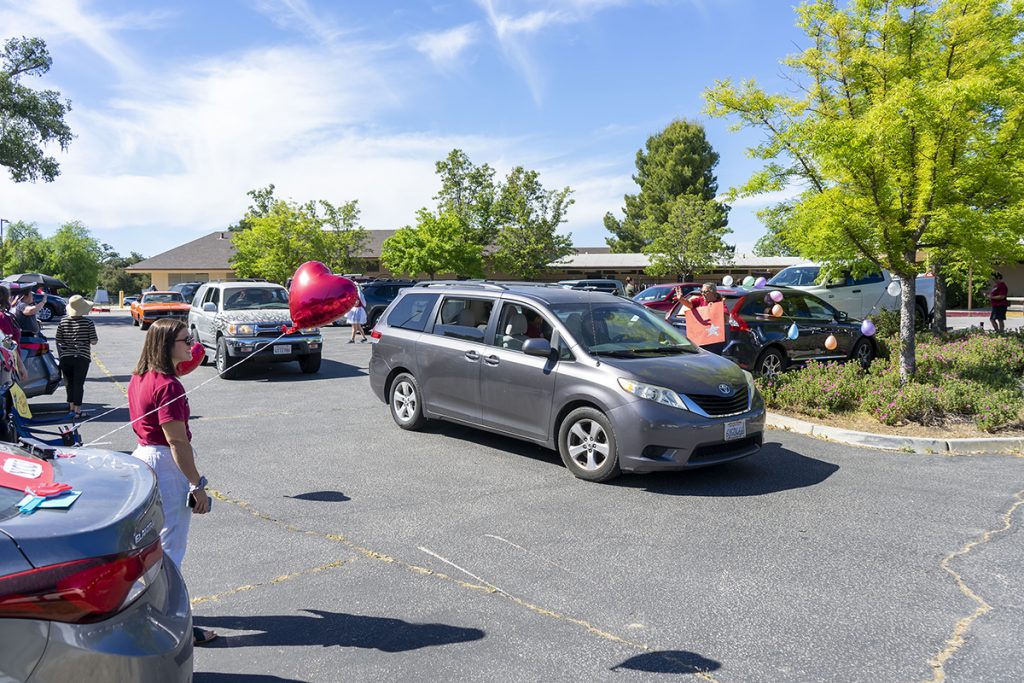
pixel 857 297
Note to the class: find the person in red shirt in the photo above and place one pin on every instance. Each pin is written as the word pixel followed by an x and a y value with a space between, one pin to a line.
pixel 10 327
pixel 159 413
pixel 708 295
pixel 997 296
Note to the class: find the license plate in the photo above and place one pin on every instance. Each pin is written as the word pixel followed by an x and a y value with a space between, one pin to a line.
pixel 735 430
pixel 282 350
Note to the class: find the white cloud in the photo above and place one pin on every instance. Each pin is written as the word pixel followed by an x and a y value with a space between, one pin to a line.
pixel 297 14
pixel 445 48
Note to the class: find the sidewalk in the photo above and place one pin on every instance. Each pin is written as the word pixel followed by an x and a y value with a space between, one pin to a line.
pixel 961 319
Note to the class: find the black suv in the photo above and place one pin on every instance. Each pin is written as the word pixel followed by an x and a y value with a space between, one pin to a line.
pixel 378 294
pixel 187 290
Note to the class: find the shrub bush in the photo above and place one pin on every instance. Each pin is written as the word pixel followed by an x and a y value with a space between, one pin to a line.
pixel 968 375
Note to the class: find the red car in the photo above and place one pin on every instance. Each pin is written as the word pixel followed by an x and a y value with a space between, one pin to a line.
pixel 662 297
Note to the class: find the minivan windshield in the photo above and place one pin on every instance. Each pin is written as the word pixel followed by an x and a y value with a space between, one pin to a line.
pixel 614 329
pixel 796 276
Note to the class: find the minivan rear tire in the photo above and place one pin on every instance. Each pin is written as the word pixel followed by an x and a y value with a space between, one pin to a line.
pixel 586 443
pixel 405 401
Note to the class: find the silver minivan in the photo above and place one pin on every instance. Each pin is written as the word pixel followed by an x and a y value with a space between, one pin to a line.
pixel 605 381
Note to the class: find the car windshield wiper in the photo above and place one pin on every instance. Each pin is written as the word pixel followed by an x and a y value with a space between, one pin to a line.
pixel 677 348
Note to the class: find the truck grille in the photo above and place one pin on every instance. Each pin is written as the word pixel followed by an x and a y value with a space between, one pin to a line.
pixel 722 405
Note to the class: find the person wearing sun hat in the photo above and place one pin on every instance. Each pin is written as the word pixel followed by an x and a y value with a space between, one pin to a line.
pixel 76 334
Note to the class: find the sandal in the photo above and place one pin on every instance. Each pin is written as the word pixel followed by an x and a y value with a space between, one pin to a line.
pixel 201 637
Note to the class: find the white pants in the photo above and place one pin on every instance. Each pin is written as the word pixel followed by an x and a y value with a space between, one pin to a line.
pixel 173 487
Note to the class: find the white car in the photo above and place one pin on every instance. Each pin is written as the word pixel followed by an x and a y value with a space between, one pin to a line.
pixel 858 297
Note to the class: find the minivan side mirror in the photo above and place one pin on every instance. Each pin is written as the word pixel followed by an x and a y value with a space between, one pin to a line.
pixel 210 307
pixel 537 347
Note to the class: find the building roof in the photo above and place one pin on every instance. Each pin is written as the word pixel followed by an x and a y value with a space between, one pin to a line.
pixel 598 261
pixel 210 252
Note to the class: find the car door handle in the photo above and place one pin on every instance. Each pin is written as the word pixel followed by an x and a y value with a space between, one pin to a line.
pixel 492 360
pixel 472 355
pixel 855 291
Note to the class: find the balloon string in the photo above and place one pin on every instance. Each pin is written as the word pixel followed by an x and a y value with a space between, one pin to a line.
pixel 176 398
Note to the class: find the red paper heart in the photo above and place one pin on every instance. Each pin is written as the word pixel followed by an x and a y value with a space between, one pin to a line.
pixel 19 473
pixel 187 366
pixel 317 297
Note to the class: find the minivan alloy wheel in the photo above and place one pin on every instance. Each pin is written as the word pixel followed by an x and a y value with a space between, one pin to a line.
pixel 404 400
pixel 588 444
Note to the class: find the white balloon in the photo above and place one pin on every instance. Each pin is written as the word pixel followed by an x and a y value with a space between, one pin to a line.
pixel 727 280
pixel 894 288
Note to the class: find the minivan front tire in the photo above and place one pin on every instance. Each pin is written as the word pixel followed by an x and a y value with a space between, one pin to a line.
pixel 587 445
pixel 405 402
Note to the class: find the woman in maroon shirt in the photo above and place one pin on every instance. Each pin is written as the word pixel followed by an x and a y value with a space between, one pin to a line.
pixel 159 412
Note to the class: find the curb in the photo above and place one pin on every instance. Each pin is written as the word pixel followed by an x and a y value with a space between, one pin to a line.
pixel 912 444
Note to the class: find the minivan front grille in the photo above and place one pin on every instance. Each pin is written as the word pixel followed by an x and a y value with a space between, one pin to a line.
pixel 722 405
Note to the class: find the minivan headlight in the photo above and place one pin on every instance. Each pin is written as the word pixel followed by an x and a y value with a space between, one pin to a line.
pixel 652 392
pixel 241 329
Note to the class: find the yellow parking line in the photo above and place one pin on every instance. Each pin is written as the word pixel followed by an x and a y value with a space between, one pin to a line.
pixel 108 373
pixel 280 579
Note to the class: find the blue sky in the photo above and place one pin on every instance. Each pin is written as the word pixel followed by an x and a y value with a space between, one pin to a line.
pixel 180 108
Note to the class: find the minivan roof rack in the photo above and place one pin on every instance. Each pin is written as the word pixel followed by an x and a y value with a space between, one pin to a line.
pixel 499 285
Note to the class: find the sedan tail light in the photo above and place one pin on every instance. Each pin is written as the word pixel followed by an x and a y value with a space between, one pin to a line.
pixel 81 591
pixel 36 349
pixel 734 317
pixel 375 335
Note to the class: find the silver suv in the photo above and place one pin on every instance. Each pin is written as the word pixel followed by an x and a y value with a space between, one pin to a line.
pixel 605 381
pixel 237 319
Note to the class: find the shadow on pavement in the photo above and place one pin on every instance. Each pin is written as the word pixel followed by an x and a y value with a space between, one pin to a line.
pixel 289 372
pixel 211 677
pixel 771 470
pixel 670 662
pixel 322 496
pixel 335 628
pixel 479 437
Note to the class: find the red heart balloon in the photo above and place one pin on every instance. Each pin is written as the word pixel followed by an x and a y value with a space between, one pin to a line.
pixel 317 297
pixel 187 366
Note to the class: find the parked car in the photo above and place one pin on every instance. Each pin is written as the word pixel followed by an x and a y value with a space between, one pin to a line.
pixel 858 297
pixel 186 289
pixel 606 382
pixel 129 300
pixel 663 297
pixel 43 372
pixel 156 305
pixel 596 285
pixel 86 593
pixel 378 294
pixel 758 341
pixel 239 319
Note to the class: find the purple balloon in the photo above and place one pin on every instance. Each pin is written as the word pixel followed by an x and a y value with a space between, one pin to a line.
pixel 776 296
pixel 867 328
pixel 760 282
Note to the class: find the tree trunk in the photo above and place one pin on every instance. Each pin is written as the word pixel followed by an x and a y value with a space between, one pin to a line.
pixel 939 317
pixel 908 359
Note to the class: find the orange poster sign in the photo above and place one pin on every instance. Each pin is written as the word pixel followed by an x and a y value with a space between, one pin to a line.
pixel 706 325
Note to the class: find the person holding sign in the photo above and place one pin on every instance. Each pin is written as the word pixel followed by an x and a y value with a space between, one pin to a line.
pixel 705 315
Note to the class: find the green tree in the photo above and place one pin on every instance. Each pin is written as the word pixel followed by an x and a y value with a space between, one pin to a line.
pixel 907 132
pixel 690 239
pixel 773 242
pixel 277 243
pixel 529 215
pixel 470 192
pixel 262 201
pixel 74 256
pixel 438 244
pixel 25 250
pixel 343 238
pixel 113 276
pixel 678 161
pixel 29 119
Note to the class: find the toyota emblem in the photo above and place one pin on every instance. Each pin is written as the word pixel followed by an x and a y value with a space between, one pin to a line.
pixel 725 389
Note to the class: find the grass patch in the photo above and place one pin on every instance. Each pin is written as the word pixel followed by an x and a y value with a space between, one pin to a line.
pixel 966 376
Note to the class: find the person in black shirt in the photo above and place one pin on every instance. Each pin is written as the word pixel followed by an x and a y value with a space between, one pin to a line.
pixel 75 336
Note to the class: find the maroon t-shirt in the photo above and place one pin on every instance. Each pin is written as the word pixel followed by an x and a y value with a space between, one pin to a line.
pixel 998 294
pixel 9 326
pixel 147 393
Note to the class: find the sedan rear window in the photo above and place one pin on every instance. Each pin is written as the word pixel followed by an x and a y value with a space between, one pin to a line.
pixel 652 294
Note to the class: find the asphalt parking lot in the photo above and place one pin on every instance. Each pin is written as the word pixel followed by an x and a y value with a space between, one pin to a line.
pixel 341 548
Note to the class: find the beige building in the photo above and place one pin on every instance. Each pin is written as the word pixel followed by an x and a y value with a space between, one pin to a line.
pixel 209 258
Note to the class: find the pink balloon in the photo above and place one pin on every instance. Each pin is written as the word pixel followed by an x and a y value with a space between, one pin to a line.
pixel 187 366
pixel 776 295
pixel 318 297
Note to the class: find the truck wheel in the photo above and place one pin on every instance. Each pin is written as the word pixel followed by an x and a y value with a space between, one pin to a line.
pixel 135 321
pixel 143 326
pixel 224 362
pixel 310 364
